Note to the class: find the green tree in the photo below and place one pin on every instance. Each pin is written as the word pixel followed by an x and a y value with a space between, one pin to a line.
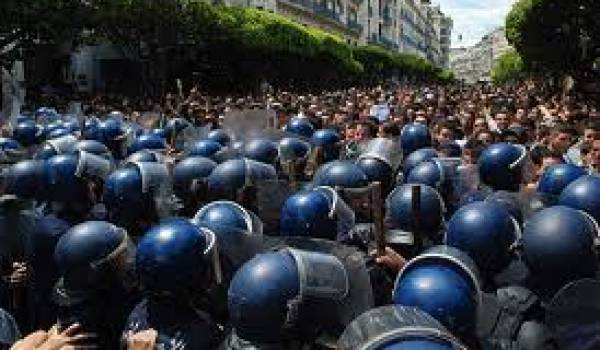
pixel 555 35
pixel 508 68
pixel 27 23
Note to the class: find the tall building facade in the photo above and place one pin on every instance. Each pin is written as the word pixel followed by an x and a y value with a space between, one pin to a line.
pixel 474 64
pixel 410 26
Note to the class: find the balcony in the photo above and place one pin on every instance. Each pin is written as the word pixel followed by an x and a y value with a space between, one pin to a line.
pixel 355 26
pixel 387 42
pixel 325 12
pixel 318 9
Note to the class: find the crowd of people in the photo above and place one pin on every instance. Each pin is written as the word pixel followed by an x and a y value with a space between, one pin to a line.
pixel 391 217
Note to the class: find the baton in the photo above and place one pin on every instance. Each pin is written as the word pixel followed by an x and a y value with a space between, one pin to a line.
pixel 377 209
pixel 416 218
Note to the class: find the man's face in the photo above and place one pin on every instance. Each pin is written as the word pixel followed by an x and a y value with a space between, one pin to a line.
pixel 445 135
pixel 589 135
pixel 362 133
pixel 594 155
pixel 479 125
pixel 485 138
pixel 469 156
pixel 561 142
pixel 502 121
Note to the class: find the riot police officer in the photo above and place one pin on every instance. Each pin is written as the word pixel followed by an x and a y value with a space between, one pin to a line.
pixel 97 285
pixel 176 265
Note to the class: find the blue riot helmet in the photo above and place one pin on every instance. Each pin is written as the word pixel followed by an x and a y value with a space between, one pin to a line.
pixel 109 130
pixel 417 157
pixel 328 141
pixel 93 147
pixel 188 177
pixel 52 127
pixel 23 118
pixel 397 328
pixel 175 126
pixel 138 194
pixel 10 151
pixel 204 148
pixel 268 294
pixel 220 136
pixel 85 253
pixel 145 156
pixel 7 144
pixel 293 156
pixel 90 129
pixel 583 194
pixel 27 133
pixel 413 137
pixel 61 145
pixel 162 133
pixel 238 231
pixel 308 214
pixel 300 126
pixel 430 173
pixel 261 150
pixel 555 179
pixel 25 179
pixel 486 232
pixel 404 219
pixel 112 133
pixel 444 282
pixel 340 173
pixel 56 133
pixel 558 247
pixel 291 148
pixel 95 260
pixel 174 258
pixel 232 175
pixel 502 166
pixel 147 142
pixel 379 160
pixel 72 124
pixel 68 176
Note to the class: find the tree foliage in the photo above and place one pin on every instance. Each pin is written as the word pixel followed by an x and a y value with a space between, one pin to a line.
pixel 555 35
pixel 236 44
pixel 508 68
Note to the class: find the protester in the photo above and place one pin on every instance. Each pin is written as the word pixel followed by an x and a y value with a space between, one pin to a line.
pixel 330 204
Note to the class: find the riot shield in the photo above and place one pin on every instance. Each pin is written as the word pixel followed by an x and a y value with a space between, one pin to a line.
pixel 270 198
pixel 573 315
pixel 335 316
pixel 91 165
pixel 188 136
pixel 391 324
pixel 156 182
pixel 237 245
pixel 384 150
pixel 322 276
pixel 342 213
pixel 453 256
pixel 246 124
pixel 63 144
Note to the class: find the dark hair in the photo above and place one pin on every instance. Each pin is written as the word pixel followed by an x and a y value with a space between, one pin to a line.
pixel 390 129
pixel 593 125
pixel 475 145
pixel 562 128
pixel 540 152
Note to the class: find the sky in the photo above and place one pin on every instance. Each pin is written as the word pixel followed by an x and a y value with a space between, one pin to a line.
pixel 474 18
